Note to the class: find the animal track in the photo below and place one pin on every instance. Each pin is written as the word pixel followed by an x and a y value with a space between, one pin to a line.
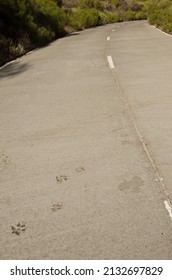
pixel 80 169
pixel 4 160
pixel 61 178
pixel 19 228
pixel 56 207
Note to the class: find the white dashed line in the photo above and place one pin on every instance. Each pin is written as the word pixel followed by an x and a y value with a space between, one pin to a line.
pixel 108 38
pixel 168 207
pixel 110 61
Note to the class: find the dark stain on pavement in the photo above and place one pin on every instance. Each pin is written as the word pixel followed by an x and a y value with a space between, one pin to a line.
pixel 133 185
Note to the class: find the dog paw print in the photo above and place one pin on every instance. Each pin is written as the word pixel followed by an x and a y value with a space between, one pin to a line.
pixel 80 169
pixel 4 161
pixel 56 207
pixel 61 178
pixel 19 228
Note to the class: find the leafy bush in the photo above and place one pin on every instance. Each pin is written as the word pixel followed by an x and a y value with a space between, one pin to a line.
pixel 130 15
pixel 48 15
pixel 160 14
pixel 113 17
pixel 40 21
pixel 115 3
pixel 133 15
pixel 85 18
pixel 5 44
pixel 96 4
pixel 141 15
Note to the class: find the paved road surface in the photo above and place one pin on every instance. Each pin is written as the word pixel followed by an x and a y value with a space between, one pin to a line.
pixel 85 150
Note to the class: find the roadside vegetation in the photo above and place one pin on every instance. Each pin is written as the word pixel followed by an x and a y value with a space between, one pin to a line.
pixel 27 24
pixel 160 14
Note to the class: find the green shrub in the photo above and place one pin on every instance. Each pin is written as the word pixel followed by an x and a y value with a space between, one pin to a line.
pixel 5 54
pixel 40 21
pixel 59 2
pixel 96 4
pixel 115 3
pixel 103 18
pixel 85 18
pixel 141 15
pixel 113 17
pixel 130 15
pixel 48 15
pixel 160 14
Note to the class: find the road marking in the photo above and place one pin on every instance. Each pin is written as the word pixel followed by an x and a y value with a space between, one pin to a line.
pixel 168 207
pixel 32 51
pixel 8 63
pixel 167 203
pixel 161 31
pixel 108 38
pixel 110 61
pixel 140 137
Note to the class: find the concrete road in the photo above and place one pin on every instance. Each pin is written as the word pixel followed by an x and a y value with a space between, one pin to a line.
pixel 85 150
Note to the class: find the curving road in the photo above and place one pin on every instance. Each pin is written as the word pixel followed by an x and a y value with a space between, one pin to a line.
pixel 85 147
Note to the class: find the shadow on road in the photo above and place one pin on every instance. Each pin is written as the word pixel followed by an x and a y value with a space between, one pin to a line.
pixel 14 69
pixel 73 34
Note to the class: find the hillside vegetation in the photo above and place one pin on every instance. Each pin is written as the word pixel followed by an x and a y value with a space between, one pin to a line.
pixel 26 24
pixel 160 14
